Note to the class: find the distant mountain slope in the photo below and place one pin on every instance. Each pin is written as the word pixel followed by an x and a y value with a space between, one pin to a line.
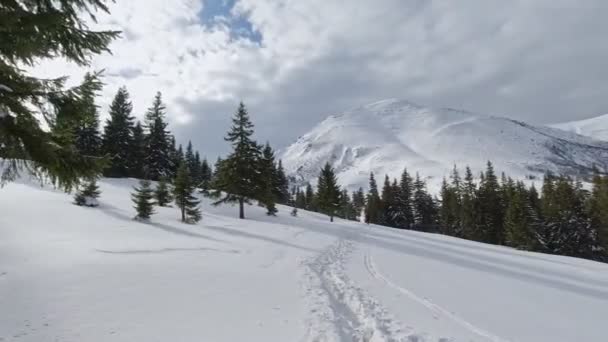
pixel 388 135
pixel 596 127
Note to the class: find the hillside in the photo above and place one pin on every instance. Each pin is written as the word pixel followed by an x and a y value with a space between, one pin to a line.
pixel 70 273
pixel 596 128
pixel 386 136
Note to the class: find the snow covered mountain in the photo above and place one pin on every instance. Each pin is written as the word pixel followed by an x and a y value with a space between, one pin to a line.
pixel 596 127
pixel 386 136
pixel 70 273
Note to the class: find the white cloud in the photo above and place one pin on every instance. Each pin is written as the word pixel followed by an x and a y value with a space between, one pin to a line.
pixel 538 60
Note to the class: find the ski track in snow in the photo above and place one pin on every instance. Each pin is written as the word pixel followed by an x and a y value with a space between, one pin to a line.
pixel 341 311
pixel 436 309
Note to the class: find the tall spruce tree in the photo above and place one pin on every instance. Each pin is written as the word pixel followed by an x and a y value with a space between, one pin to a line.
pixel 519 219
pixel 87 135
pixel 33 31
pixel 491 208
pixel 237 176
pixel 143 198
pixel 359 202
pixel 389 204
pixel 183 190
pixel 373 207
pixel 309 195
pixel 159 154
pixel 138 152
pixel 425 209
pixel 328 192
pixel 405 214
pixel 469 202
pixel 118 134
pixel 281 184
pixel 598 208
pixel 268 187
pixel 206 175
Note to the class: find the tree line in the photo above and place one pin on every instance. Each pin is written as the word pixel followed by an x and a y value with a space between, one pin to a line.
pixel 564 218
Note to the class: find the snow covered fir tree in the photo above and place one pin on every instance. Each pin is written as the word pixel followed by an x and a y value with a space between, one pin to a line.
pixel 143 198
pixel 183 193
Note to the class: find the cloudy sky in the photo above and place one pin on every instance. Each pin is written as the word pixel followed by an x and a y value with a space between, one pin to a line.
pixel 293 62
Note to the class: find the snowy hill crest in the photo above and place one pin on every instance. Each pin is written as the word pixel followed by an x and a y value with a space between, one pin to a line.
pixel 388 135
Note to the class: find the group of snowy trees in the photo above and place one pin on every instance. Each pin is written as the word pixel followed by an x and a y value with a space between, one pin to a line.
pixel 563 219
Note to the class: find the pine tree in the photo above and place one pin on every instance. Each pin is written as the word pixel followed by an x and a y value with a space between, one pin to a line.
pixel 143 198
pixel 519 219
pixel 184 199
pixel 389 204
pixel 281 184
pixel 449 211
pixel 159 154
pixel 87 194
pixel 328 192
pixel 237 176
pixel 117 138
pixel 197 169
pixel 405 214
pixel 373 207
pixel 138 152
pixel 425 210
pixel 469 203
pixel 268 190
pixel 359 202
pixel 598 208
pixel 347 209
pixel 206 175
pixel 162 194
pixel 87 135
pixel 491 209
pixel 33 31
pixel 190 159
pixel 309 195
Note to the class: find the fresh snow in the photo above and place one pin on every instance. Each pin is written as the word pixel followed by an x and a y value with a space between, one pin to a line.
pixel 596 127
pixel 386 136
pixel 70 273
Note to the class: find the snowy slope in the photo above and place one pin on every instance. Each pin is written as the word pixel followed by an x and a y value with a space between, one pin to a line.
pixel 388 135
pixel 596 127
pixel 69 273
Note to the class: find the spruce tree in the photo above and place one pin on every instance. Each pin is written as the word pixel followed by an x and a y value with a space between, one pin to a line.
pixel 31 32
pixel 197 170
pixel 143 198
pixel 87 194
pixel 237 176
pixel 206 175
pixel 159 154
pixel 373 207
pixel 87 135
pixel 519 219
pixel 118 134
pixel 359 202
pixel 405 214
pixel 491 210
pixel 183 189
pixel 162 194
pixel 138 152
pixel 598 208
pixel 309 195
pixel 267 173
pixel 425 209
pixel 328 192
pixel 191 159
pixel 389 204
pixel 468 213
pixel 281 184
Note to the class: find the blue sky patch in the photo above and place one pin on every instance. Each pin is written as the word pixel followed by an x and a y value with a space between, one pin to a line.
pixel 240 26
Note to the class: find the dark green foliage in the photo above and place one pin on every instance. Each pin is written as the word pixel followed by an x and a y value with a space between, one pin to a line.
pixel 118 135
pixel 237 177
pixel 309 196
pixel 32 31
pixel 425 208
pixel 347 210
pixel 206 174
pixel 520 219
pixel 87 194
pixel 598 208
pixel 468 217
pixel 389 203
pixel 358 202
pixel 267 186
pixel 143 198
pixel 491 212
pixel 328 192
pixel 138 167
pixel 159 156
pixel 183 190
pixel 373 207
pixel 162 193
pixel 405 213
pixel 280 184
pixel 87 137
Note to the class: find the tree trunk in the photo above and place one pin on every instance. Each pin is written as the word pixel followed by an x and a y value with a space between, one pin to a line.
pixel 331 218
pixel 183 214
pixel 241 208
